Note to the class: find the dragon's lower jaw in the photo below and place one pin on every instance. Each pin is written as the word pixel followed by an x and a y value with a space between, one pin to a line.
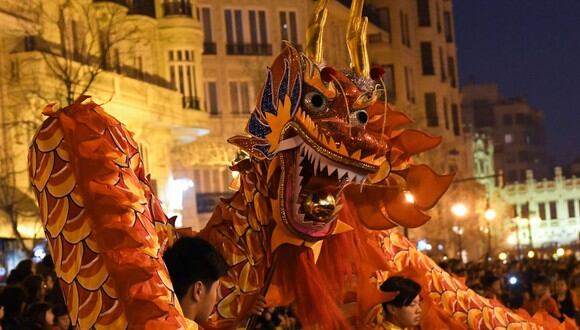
pixel 312 186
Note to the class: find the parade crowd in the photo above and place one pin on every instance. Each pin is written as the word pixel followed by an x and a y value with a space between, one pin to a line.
pixel 31 297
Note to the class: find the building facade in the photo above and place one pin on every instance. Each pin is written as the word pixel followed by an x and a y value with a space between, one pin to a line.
pixel 545 212
pixel 142 59
pixel 516 128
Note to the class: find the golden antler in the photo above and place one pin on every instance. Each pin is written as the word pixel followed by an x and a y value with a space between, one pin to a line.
pixel 315 32
pixel 356 39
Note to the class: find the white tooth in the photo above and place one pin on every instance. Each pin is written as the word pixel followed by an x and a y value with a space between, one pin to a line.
pixel 341 173
pixel 331 169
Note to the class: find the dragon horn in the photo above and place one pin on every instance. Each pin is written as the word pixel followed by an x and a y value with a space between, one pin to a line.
pixel 356 39
pixel 315 32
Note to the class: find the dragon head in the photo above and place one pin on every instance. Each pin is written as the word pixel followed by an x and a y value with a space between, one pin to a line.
pixel 330 138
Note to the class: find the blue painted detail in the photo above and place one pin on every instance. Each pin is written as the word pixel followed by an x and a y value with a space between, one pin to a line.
pixel 296 91
pixel 284 83
pixel 257 128
pixel 266 103
pixel 263 148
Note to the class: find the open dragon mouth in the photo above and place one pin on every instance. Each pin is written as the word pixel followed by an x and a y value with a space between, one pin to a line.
pixel 312 195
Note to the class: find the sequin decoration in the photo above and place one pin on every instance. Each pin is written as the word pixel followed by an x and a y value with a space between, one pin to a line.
pixel 284 83
pixel 266 104
pixel 295 97
pixel 257 128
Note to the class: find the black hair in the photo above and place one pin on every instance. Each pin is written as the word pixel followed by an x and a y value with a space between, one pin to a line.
pixel 36 316
pixel 33 287
pixel 542 280
pixel 407 288
pixel 193 259
pixel 488 280
pixel 13 298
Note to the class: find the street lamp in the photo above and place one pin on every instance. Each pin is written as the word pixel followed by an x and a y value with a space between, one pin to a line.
pixel 489 215
pixel 459 210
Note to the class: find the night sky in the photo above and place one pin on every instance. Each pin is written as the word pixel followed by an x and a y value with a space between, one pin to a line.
pixel 530 48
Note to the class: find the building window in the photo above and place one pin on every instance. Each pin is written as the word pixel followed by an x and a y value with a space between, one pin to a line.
pixel 523 156
pixel 542 210
pixel 515 210
pixel 438 18
pixel 571 208
pixel 288 28
pixel 405 29
pixel 446 113
pixel 448 26
pixel 183 76
pixel 431 109
pixel 384 15
pixel 521 118
pixel 455 119
pixel 442 65
pixel 209 45
pixel 508 120
pixel 526 210
pixel 390 83
pixel 240 97
pixel 211 100
pixel 424 14
pixel 237 42
pixel 427 59
pixel 409 84
pixel 553 211
pixel 451 68
pixel 508 138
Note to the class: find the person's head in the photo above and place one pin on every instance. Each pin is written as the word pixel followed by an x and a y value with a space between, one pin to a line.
pixel 195 267
pixel 40 314
pixel 13 298
pixel 61 318
pixel 35 288
pixel 540 286
pixel 492 284
pixel 405 309
pixel 49 280
pixel 27 265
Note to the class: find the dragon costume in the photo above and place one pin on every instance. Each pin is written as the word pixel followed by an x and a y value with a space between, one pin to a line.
pixel 327 177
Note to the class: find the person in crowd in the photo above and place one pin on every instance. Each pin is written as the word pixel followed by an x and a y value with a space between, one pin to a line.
pixel 566 298
pixel 39 316
pixel 492 287
pixel 35 288
pixel 13 299
pixel 404 310
pixel 61 318
pixel 24 269
pixel 195 267
pixel 542 299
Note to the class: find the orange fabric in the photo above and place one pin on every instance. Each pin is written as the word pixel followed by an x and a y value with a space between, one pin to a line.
pixel 547 304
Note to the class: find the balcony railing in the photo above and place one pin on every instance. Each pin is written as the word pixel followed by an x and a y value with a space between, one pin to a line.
pixel 142 7
pixel 180 7
pixel 190 102
pixel 31 43
pixel 249 49
pixel 209 48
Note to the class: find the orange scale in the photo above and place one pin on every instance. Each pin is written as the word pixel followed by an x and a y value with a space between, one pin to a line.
pixel 57 217
pixel 90 307
pixel 49 136
pixel 71 297
pixel 93 272
pixel 72 255
pixel 116 133
pixel 112 315
pixel 78 225
pixel 62 181
pixel 44 167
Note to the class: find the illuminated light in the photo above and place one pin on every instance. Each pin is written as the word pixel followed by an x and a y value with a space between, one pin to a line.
pixel 459 209
pixel 440 247
pixel 502 256
pixel 38 253
pixel 490 214
pixel 560 252
pixel 422 245
pixel 429 247
pixel 535 221
pixel 175 190
pixel 444 258
pixel 235 174
pixel 531 254
pixel 512 239
pixel 3 271
pixel 409 197
pixel 513 280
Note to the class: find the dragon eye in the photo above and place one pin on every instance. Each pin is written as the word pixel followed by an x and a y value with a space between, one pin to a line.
pixel 314 101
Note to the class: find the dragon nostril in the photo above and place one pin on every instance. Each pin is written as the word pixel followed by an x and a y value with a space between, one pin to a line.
pixel 362 117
